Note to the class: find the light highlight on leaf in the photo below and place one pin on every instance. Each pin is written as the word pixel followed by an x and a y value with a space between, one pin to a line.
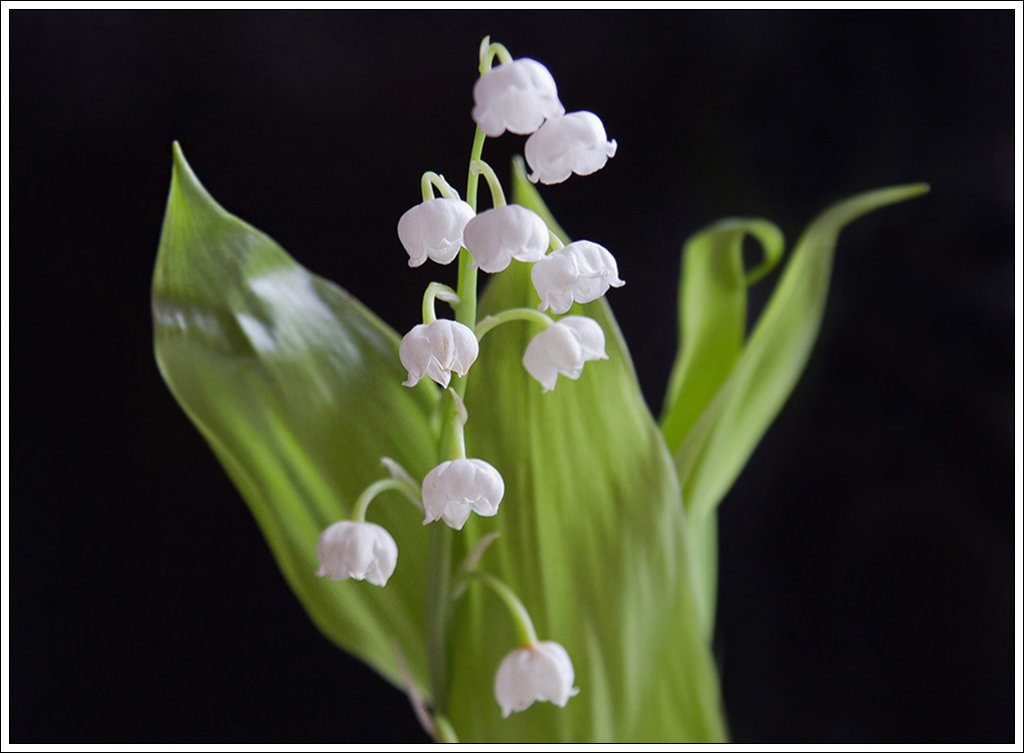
pixel 297 388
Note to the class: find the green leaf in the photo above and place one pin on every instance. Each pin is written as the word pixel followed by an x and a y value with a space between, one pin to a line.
pixel 592 539
pixel 712 327
pixel 712 316
pixel 297 388
pixel 718 444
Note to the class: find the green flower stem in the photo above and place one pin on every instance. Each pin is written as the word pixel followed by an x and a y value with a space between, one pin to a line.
pixel 465 312
pixel 432 180
pixel 511 315
pixel 438 592
pixel 458 448
pixel 444 731
pixel 556 242
pixel 479 167
pixel 437 612
pixel 409 491
pixel 437 290
pixel 488 52
pixel 524 625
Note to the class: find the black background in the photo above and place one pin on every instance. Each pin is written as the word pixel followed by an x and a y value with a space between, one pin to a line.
pixel 867 551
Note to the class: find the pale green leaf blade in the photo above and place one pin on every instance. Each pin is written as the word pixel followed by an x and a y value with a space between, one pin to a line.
pixel 712 316
pixel 592 540
pixel 296 387
pixel 720 442
pixel 712 329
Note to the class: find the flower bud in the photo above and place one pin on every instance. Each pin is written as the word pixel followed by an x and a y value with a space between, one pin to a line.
pixel 499 235
pixel 357 550
pixel 582 272
pixel 436 350
pixel 575 143
pixel 539 672
pixel 457 487
pixel 517 97
pixel 563 348
pixel 434 229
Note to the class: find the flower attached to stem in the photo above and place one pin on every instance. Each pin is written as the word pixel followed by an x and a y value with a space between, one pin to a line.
pixel 436 350
pixel 360 550
pixel 499 235
pixel 537 670
pixel 540 671
pixel 563 348
pixel 575 143
pixel 581 272
pixel 455 488
pixel 516 97
pixel 433 230
pixel 357 550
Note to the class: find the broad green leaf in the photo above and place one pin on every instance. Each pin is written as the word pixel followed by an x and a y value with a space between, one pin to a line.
pixel 592 539
pixel 297 388
pixel 718 444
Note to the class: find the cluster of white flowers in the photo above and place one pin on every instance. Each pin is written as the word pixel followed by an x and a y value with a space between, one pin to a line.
pixel 519 96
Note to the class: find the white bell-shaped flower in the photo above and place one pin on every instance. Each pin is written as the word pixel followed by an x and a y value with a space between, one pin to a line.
pixel 436 350
pixel 357 550
pixel 541 671
pixel 576 143
pixel 517 97
pixel 582 271
pixel 458 487
pixel 433 229
pixel 501 234
pixel 563 348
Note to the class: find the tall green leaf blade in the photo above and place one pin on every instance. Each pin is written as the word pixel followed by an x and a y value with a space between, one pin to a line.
pixel 712 316
pixel 718 445
pixel 712 330
pixel 296 387
pixel 593 540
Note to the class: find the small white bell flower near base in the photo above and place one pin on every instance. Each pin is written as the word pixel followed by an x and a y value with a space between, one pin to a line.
pixel 517 97
pixel 541 671
pixel 582 271
pixel 563 348
pixel 436 350
pixel 356 550
pixel 576 143
pixel 499 235
pixel 458 487
pixel 433 230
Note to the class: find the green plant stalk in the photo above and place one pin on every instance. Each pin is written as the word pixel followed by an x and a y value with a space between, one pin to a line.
pixel 437 609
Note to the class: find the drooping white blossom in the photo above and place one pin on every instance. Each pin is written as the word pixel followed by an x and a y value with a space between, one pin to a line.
pixel 499 235
pixel 541 671
pixel 575 143
pixel 582 271
pixel 436 350
pixel 433 229
pixel 458 487
pixel 357 550
pixel 517 97
pixel 563 348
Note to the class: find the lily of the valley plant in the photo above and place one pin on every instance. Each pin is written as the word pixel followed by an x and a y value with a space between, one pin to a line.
pixel 483 509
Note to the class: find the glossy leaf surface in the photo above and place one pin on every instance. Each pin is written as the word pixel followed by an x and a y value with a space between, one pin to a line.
pixel 297 388
pixel 592 539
